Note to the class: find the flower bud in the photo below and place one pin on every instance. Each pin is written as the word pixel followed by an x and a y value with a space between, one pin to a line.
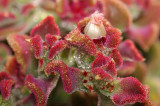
pixel 95 27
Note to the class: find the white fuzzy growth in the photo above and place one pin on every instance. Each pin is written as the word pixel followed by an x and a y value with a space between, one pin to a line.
pixel 94 30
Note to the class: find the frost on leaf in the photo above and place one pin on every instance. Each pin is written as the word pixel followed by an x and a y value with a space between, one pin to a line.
pixel 6 83
pixel 67 74
pixel 58 47
pixel 46 26
pixel 37 44
pixel 129 51
pixel 41 88
pixel 130 92
pixel 83 42
pixel 22 50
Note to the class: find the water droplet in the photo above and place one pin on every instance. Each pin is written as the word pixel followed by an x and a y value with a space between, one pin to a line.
pixel 82 60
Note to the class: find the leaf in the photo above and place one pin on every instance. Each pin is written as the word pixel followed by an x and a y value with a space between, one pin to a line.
pixel 4 16
pixel 5 87
pixel 37 44
pixel 129 51
pixel 110 68
pixel 117 13
pixel 145 36
pixel 6 83
pixel 127 68
pixel 62 7
pixel 112 37
pixel 81 41
pixel 77 10
pixel 70 76
pixel 151 14
pixel 100 60
pixel 130 92
pixel 11 29
pixel 58 47
pixel 100 74
pixel 27 8
pixel 51 40
pixel 115 55
pixel 4 3
pixel 46 26
pixel 13 68
pixel 41 88
pixel 22 50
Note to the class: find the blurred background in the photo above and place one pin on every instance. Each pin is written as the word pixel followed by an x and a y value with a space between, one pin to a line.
pixel 138 20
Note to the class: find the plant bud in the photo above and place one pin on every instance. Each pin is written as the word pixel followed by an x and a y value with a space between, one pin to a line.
pixel 95 27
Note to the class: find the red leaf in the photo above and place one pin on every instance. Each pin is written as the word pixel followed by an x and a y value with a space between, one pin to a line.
pixel 6 15
pixel 51 40
pixel 37 44
pixel 13 68
pixel 100 74
pixel 100 42
pixel 40 88
pixel 5 76
pixel 143 4
pixel 145 36
pixel 131 91
pixel 46 26
pixel 22 50
pixel 41 64
pixel 62 7
pixel 6 82
pixel 62 69
pixel 81 41
pixel 110 68
pixel 127 68
pixel 112 37
pixel 7 30
pixel 100 60
pixel 4 3
pixel 58 47
pixel 117 13
pixel 74 74
pixel 69 75
pixel 129 51
pixel 77 10
pixel 27 8
pixel 5 87
pixel 116 57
